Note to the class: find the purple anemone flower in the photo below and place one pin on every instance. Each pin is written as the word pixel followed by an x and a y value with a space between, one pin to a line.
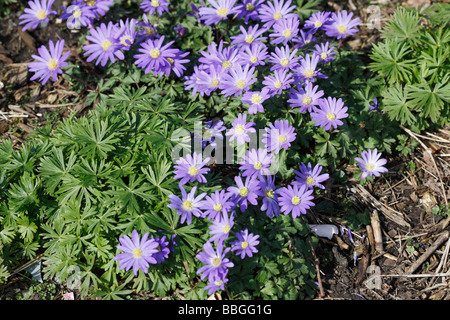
pixel 187 205
pixel 215 204
pixel 237 80
pixel 371 164
pixel 255 99
pixel 221 226
pixel 310 177
pixel 305 98
pixel 284 59
pixel 270 13
pixel 48 63
pixel 375 105
pixel 138 253
pixel 246 243
pixel 154 56
pixel 78 14
pixel 245 192
pixel 217 282
pixel 281 80
pixel 163 249
pixel 279 136
pixel 100 7
pixel 248 37
pixel 270 196
pixel 324 52
pixel 295 200
pixel 329 113
pixel 341 25
pixel 220 11
pixel 308 68
pixel 191 168
pixel 285 30
pixel 209 132
pixel 240 129
pixel 37 13
pixel 127 33
pixel 256 163
pixel 175 64
pixel 216 263
pixel 148 30
pixel 105 46
pixel 152 6
pixel 254 55
pixel 249 10
pixel 317 20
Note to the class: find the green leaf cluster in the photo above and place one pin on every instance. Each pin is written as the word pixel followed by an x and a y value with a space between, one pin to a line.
pixel 413 60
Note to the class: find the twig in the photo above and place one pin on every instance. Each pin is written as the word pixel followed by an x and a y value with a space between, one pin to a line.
pixel 443 237
pixel 444 194
pixel 316 263
pixel 390 213
pixel 376 227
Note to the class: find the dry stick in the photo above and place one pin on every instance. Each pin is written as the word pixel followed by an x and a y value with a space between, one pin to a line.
pixel 442 262
pixel 378 237
pixel 444 194
pixel 316 263
pixel 443 237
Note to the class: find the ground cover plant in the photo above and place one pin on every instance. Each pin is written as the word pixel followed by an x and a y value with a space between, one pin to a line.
pixel 213 132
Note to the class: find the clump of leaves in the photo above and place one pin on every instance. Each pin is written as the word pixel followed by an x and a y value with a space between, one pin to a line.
pixel 413 61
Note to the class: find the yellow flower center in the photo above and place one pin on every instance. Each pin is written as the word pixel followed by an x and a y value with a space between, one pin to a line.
pixel 216 261
pixel 282 138
pixel 149 31
pixel 170 60
pixel 226 228
pixel 317 24
pixel 256 98
pixel 309 73
pixel 244 244
pixel 269 193
pixel 137 253
pixel 284 62
pixel 193 171
pixel 106 44
pixel 253 59
pixel 187 205
pixel 249 38
pixel 306 100
pixel 257 165
pixel 217 207
pixel 155 3
pixel 310 180
pixel 52 64
pixel 323 56
pixel 218 283
pixel 240 84
pixel 222 12
pixel 370 166
pixel 307 41
pixel 278 84
pixel 155 53
pixel 91 2
pixel 287 33
pixel 342 28
pixel 249 7
pixel 295 200
pixel 124 41
pixel 214 83
pixel 226 64
pixel 77 13
pixel 41 14
pixel 331 116
pixel 277 16
pixel 239 129
pixel 243 192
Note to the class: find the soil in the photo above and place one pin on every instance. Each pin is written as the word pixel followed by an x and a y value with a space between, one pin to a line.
pixel 414 238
